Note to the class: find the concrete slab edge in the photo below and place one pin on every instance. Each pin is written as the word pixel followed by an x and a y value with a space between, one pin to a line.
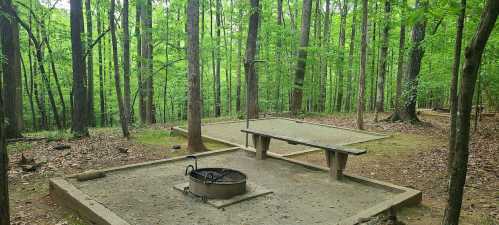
pixel 64 193
pixel 332 126
pixel 159 161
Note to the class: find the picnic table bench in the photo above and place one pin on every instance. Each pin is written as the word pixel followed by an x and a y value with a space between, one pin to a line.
pixel 336 156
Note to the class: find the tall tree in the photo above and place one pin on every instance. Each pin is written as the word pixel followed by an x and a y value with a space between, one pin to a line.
pixel 195 141
pixel 117 84
pixel 302 58
pixel 240 61
pixel 323 80
pixel 4 167
pixel 139 60
pixel 249 63
pixel 453 99
pixel 341 54
pixel 351 49
pixel 383 59
pixel 90 65
pixel 79 117
pixel 101 70
pixel 126 59
pixel 414 65
pixel 11 66
pixel 363 60
pixel 400 64
pixel 472 60
pixel 218 57
pixel 147 65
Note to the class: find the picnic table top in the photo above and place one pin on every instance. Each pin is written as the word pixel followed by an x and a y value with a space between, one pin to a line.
pixel 294 140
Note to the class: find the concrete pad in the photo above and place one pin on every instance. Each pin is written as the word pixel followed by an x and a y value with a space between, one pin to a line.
pixel 252 191
pixel 230 132
pixel 302 194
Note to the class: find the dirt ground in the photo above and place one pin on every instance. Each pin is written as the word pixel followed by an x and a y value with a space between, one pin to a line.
pixel 415 157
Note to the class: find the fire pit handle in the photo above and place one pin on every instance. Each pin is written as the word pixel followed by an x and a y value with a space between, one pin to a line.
pixel 187 169
pixel 195 160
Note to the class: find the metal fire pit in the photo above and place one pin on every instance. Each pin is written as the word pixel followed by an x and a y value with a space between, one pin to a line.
pixel 215 183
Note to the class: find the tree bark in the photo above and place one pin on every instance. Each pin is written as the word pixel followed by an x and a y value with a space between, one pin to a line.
pixel 140 59
pixel 341 55
pixel 4 168
pixel 90 66
pixel 400 64
pixel 11 65
pixel 302 59
pixel 249 63
pixel 380 97
pixel 194 139
pixel 350 91
pixel 324 68
pixel 102 103
pixel 117 84
pixel 414 66
pixel 453 99
pixel 240 61
pixel 126 60
pixel 218 59
pixel 363 60
pixel 472 60
pixel 79 118
pixel 147 54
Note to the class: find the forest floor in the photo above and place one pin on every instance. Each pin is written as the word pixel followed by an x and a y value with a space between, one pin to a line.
pixel 415 156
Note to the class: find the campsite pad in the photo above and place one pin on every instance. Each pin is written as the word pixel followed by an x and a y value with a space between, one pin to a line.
pixel 231 132
pixel 145 194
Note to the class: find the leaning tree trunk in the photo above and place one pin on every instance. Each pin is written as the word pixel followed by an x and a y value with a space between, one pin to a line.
pixel 414 66
pixel 363 60
pixel 79 118
pixel 117 85
pixel 302 59
pixel 380 97
pixel 453 86
pixel 12 83
pixel 472 61
pixel 194 141
pixel 249 63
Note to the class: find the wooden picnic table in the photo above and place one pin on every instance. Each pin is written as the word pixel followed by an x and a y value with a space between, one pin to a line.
pixel 336 156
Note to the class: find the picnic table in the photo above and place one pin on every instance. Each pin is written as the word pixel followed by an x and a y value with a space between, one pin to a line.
pixel 336 156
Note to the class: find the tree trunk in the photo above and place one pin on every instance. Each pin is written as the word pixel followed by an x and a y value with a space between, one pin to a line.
pixel 218 59
pixel 380 97
pixel 363 60
pixel 4 168
pixel 472 61
pixel 147 66
pixel 126 60
pixel 90 66
pixel 400 64
pixel 79 118
pixel 195 141
pixel 249 63
pixel 302 59
pixel 324 67
pixel 453 86
pixel 240 61
pixel 414 66
pixel 117 84
pixel 29 91
pixel 101 73
pixel 341 55
pixel 140 59
pixel 11 65
pixel 348 100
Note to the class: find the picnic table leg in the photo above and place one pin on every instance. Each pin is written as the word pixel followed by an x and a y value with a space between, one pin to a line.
pixel 261 145
pixel 336 162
